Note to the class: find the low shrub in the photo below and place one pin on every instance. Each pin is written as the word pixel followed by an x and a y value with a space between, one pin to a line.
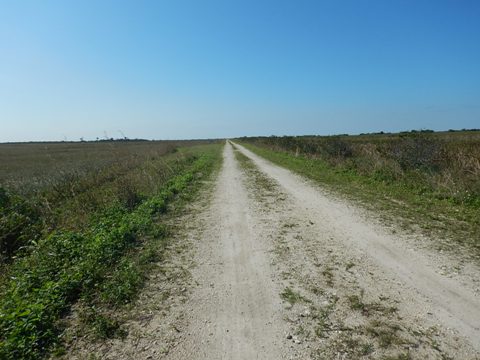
pixel 19 224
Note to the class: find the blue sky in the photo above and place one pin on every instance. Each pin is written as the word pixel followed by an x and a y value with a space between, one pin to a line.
pixel 196 69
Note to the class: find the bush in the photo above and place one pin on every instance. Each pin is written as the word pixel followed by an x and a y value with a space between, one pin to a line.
pixel 19 222
pixel 418 152
pixel 127 194
pixel 336 147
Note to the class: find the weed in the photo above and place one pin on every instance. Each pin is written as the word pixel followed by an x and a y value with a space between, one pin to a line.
pixel 328 274
pixel 366 349
pixel 102 326
pixel 292 297
pixel 123 283
pixel 323 325
pixel 19 224
pixel 385 333
pixel 404 356
pixel 356 302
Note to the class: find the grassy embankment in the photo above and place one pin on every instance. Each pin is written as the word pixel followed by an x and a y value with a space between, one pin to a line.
pixel 88 237
pixel 425 181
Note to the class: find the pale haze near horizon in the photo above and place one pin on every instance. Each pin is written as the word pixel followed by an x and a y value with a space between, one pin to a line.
pixel 188 69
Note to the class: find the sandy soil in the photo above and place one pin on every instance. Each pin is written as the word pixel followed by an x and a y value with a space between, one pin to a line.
pixel 270 266
pixel 236 311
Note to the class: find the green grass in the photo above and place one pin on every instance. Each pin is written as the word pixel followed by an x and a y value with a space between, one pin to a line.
pixel 405 202
pixel 104 263
pixel 292 297
pixel 47 187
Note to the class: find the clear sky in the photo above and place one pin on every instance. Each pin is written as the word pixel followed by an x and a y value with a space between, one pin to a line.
pixel 205 68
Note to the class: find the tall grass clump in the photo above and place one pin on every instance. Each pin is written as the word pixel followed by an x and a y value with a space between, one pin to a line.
pixel 19 224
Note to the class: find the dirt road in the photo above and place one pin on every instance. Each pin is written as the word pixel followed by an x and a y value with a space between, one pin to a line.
pixel 273 267
pixel 265 230
pixel 236 307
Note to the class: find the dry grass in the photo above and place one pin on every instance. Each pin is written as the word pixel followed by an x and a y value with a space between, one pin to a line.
pixel 50 186
pixel 32 167
pixel 447 164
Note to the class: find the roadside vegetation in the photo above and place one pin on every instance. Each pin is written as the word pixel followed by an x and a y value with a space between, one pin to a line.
pixel 88 237
pixel 326 304
pixel 425 179
pixel 49 186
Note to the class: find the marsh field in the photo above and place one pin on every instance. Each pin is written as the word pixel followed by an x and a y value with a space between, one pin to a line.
pixel 307 247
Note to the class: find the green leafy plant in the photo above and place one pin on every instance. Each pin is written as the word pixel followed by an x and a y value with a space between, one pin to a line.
pixel 66 266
